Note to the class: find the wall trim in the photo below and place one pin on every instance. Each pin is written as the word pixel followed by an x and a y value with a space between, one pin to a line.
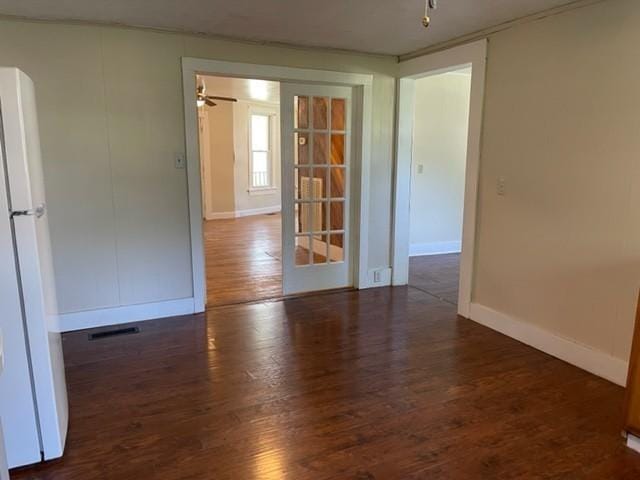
pixel 219 215
pixel 633 442
pixel 244 213
pixel 68 322
pixel 475 55
pixel 258 211
pixel 434 248
pixel 587 358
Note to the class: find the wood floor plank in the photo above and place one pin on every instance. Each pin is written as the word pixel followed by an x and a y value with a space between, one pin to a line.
pixel 381 384
pixel 437 275
pixel 242 259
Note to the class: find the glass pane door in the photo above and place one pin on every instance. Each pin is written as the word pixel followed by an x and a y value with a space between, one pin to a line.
pixel 316 161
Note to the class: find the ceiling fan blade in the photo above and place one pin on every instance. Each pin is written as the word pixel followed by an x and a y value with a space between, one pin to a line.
pixel 209 102
pixel 224 99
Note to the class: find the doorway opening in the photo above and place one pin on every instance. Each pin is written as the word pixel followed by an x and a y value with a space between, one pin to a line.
pixel 323 93
pixel 456 60
pixel 239 140
pixel 438 172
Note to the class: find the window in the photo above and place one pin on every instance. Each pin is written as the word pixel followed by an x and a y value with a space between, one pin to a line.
pixel 260 170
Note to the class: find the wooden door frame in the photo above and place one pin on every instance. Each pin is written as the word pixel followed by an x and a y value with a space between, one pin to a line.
pixel 362 85
pixel 474 55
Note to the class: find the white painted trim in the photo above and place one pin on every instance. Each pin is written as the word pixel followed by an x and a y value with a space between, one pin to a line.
pixel 473 54
pixel 633 442
pixel 263 191
pixel 363 97
pixel 258 211
pixel 362 102
pixel 244 213
pixel 582 356
pixel 68 322
pixel 220 215
pixel 442 61
pixel 434 248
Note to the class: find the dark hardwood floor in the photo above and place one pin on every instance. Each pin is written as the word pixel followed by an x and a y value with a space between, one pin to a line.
pixel 381 384
pixel 437 275
pixel 242 259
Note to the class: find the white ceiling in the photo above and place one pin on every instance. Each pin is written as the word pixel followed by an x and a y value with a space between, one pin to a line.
pixel 377 26
pixel 242 89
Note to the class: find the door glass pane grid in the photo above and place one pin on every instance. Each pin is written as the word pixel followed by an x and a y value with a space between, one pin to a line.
pixel 321 146
pixel 320 114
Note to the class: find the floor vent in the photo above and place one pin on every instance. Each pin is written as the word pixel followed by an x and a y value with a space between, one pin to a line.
pixel 114 333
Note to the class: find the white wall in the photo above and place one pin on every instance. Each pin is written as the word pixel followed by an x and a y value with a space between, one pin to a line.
pixel 226 166
pixel 218 186
pixel 441 120
pixel 111 116
pixel 561 250
pixel 250 201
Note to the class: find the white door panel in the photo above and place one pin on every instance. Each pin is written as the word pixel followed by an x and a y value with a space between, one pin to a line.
pixel 316 195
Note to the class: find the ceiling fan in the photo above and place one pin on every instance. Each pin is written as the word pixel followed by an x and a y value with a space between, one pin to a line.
pixel 203 99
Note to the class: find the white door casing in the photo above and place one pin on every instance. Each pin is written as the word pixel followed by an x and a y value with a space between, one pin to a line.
pixel 362 86
pixel 474 55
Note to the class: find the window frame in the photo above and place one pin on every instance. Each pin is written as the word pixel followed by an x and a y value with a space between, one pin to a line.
pixel 271 116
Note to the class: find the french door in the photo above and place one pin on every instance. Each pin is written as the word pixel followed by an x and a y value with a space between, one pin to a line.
pixel 316 127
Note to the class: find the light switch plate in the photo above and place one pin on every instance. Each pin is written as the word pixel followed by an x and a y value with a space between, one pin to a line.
pixel 180 160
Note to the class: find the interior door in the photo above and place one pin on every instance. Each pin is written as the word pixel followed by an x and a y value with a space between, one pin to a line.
pixel 316 127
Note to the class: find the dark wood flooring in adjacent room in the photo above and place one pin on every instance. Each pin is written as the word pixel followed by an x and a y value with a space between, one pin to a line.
pixel 381 384
pixel 242 259
pixel 437 275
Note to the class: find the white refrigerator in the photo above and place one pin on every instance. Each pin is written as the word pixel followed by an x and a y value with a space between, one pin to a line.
pixel 33 395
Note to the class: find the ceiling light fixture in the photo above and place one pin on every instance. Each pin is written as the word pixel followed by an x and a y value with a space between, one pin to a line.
pixel 429 4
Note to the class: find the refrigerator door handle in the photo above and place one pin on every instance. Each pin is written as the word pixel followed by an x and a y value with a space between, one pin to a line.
pixel 37 212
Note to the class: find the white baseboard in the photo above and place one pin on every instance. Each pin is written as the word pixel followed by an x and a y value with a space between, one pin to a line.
pixel 434 248
pixel 68 322
pixel 633 442
pixel 219 215
pixel 258 211
pixel 243 213
pixel 594 361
